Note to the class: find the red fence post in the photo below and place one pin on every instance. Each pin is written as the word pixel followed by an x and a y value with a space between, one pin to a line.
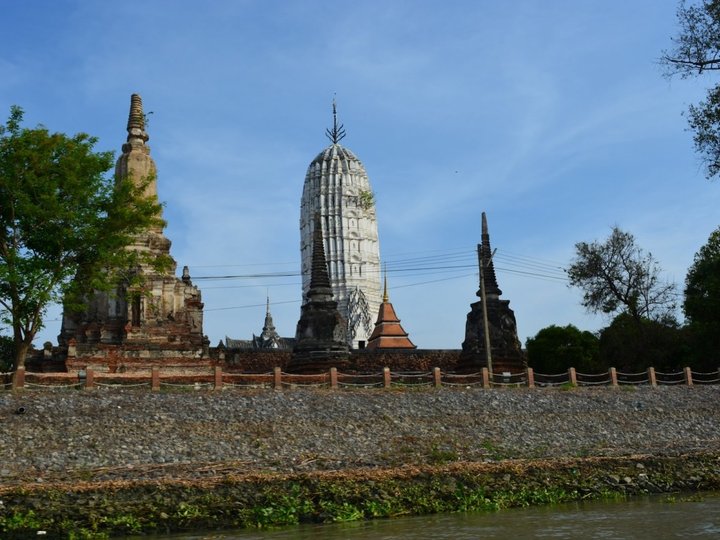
pixel 155 379
pixel 572 376
pixel 386 377
pixel 485 378
pixel 89 378
pixel 651 376
pixel 218 378
pixel 18 380
pixel 333 378
pixel 530 377
pixel 277 378
pixel 688 376
pixel 613 376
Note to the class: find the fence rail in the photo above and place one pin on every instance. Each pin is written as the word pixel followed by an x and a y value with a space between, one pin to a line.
pixel 216 379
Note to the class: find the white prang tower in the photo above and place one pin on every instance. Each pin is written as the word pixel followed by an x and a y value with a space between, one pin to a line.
pixel 338 189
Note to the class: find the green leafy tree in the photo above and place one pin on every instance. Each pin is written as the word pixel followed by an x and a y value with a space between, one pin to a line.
pixel 697 51
pixel 702 302
pixel 633 347
pixel 554 349
pixel 7 353
pixel 616 276
pixel 64 224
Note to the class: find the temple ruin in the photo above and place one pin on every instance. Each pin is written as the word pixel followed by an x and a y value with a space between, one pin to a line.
pixel 321 331
pixel 338 189
pixel 159 322
pixel 506 352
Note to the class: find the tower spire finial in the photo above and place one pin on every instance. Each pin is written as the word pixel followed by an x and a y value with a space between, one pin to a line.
pixel 136 121
pixel 319 277
pixel 338 130
pixel 485 254
pixel 385 293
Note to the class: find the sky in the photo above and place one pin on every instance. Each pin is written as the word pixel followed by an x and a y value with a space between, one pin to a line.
pixel 552 116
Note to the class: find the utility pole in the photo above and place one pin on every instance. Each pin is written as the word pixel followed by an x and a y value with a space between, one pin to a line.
pixel 483 298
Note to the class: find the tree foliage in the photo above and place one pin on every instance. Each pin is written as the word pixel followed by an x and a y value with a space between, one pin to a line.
pixel 61 217
pixel 633 347
pixel 702 300
pixel 617 276
pixel 702 285
pixel 696 51
pixel 554 349
pixel 7 353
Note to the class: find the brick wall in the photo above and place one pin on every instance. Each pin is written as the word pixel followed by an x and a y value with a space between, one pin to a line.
pixel 261 361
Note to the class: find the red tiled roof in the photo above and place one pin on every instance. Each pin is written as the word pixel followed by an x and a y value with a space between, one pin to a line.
pixel 388 333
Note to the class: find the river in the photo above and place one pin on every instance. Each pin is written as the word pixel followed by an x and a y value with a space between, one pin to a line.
pixel 652 518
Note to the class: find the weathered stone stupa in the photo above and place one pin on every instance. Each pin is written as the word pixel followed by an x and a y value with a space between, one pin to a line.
pixel 159 323
pixel 505 348
pixel 337 188
pixel 321 338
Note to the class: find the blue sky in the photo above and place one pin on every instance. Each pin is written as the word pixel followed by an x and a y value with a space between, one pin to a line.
pixel 551 116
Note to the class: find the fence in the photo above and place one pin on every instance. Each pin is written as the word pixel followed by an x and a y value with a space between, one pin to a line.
pixel 277 379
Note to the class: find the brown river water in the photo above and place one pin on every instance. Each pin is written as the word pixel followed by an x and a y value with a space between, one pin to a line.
pixel 652 518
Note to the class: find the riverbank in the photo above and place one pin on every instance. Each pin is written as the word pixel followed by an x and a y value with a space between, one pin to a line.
pixel 122 461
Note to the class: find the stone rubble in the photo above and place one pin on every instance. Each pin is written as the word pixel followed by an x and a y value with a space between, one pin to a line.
pixel 115 434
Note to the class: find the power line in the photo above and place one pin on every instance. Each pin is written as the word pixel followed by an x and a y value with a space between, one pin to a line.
pixel 253 305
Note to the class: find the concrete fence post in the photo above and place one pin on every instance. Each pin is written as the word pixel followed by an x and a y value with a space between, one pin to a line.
pixel 386 377
pixel 652 379
pixel 572 376
pixel 485 378
pixel 333 378
pixel 437 377
pixel 89 378
pixel 277 378
pixel 530 377
pixel 688 376
pixel 18 380
pixel 613 376
pixel 155 379
pixel 218 378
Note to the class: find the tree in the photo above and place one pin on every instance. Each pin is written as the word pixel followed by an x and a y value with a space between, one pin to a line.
pixel 702 300
pixel 617 276
pixel 554 349
pixel 63 224
pixel 633 347
pixel 702 285
pixel 696 51
pixel 7 353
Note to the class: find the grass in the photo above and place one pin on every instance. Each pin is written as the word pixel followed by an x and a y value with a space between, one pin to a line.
pixel 91 511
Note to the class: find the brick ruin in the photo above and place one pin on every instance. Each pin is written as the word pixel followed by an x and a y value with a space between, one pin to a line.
pixel 505 348
pixel 321 337
pixel 159 324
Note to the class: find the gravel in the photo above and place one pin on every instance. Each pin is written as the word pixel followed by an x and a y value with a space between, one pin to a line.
pixel 113 433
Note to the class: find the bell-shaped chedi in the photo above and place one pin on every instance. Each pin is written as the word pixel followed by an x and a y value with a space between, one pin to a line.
pixel 388 332
pixel 321 336
pixel 160 318
pixel 506 352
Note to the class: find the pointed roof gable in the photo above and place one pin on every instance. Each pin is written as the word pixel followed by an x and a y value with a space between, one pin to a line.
pixel 388 332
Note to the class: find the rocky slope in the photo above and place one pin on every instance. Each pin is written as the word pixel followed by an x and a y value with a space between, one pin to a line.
pixel 108 434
